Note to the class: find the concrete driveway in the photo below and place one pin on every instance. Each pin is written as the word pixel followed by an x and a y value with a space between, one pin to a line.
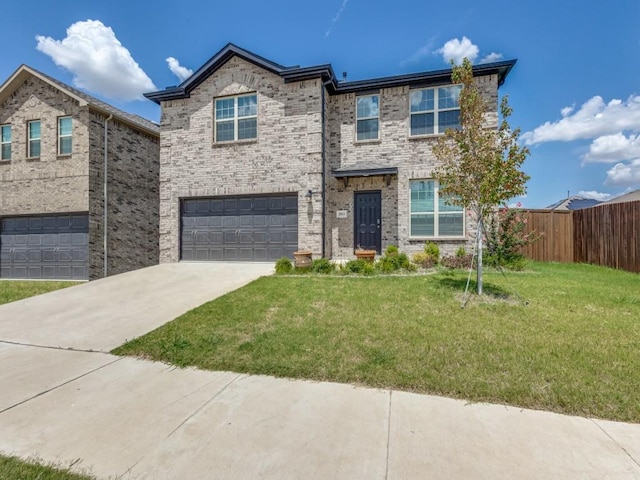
pixel 103 314
pixel 136 419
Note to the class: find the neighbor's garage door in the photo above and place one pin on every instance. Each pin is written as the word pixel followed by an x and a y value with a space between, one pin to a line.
pixel 256 229
pixel 51 247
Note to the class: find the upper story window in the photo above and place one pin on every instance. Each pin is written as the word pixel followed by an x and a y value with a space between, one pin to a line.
pixel 64 135
pixel 33 135
pixel 433 110
pixel 236 118
pixel 367 121
pixel 5 142
pixel 431 215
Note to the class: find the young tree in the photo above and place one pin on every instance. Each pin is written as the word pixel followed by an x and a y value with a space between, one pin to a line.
pixel 479 164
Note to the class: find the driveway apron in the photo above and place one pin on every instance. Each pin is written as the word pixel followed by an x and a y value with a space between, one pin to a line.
pixel 103 314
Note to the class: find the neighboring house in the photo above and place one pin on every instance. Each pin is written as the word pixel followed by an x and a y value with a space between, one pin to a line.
pixel 633 196
pixel 258 160
pixel 574 202
pixel 52 183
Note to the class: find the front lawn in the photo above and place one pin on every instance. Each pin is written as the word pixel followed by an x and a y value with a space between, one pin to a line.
pixel 12 290
pixel 575 348
pixel 14 468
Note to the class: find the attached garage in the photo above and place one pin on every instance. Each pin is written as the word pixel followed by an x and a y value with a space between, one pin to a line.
pixel 44 247
pixel 244 229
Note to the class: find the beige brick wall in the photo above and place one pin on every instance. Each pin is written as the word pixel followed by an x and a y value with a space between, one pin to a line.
pixel 412 156
pixel 286 157
pixel 50 183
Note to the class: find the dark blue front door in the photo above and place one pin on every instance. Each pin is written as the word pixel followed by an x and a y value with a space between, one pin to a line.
pixel 368 217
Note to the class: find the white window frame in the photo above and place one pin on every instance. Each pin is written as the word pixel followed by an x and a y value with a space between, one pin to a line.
pixel 4 143
pixel 377 117
pixel 435 111
pixel 436 214
pixel 235 118
pixel 30 139
pixel 61 136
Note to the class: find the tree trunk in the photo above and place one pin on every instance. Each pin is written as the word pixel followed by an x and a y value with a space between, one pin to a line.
pixel 479 271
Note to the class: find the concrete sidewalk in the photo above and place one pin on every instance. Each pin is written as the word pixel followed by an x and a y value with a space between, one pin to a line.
pixel 147 420
pixel 103 314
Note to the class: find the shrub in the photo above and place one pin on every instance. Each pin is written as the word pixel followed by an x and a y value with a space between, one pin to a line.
pixel 505 236
pixel 391 250
pixel 433 250
pixel 393 260
pixel 322 265
pixel 358 266
pixel 461 252
pixel 457 262
pixel 284 265
pixel 424 260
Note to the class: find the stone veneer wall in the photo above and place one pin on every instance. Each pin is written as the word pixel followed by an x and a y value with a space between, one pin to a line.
pixel 286 157
pixel 50 183
pixel 413 157
pixel 133 198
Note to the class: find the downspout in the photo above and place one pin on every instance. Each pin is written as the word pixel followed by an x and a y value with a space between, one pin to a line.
pixel 324 170
pixel 105 198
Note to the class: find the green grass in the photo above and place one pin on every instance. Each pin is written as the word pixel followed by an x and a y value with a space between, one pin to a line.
pixel 15 469
pixel 12 290
pixel 575 348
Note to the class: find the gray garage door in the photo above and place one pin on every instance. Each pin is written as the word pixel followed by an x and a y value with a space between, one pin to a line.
pixel 245 229
pixel 51 247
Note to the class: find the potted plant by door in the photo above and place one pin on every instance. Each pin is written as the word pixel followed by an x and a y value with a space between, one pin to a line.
pixel 303 258
pixel 364 254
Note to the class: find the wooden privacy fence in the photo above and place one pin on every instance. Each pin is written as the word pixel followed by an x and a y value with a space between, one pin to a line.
pixel 607 234
pixel 555 228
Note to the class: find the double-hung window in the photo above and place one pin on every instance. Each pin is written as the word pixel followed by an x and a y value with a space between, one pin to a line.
pixel 433 110
pixel 367 113
pixel 33 134
pixel 236 118
pixel 64 135
pixel 431 214
pixel 5 142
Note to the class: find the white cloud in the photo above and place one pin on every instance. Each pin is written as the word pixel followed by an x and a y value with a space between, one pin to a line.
pixel 600 196
pixel 594 119
pixel 456 50
pixel 624 174
pixel 613 148
pixel 336 18
pixel 492 57
pixel 178 70
pixel 98 61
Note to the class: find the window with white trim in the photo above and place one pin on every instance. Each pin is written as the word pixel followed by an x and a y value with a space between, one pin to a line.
pixel 236 118
pixel 33 136
pixel 5 142
pixel 367 113
pixel 64 135
pixel 431 215
pixel 433 110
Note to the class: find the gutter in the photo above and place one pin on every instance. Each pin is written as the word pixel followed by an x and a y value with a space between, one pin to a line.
pixel 105 197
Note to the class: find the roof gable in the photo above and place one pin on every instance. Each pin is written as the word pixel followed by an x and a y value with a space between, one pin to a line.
pixel 24 72
pixel 294 73
pixel 325 72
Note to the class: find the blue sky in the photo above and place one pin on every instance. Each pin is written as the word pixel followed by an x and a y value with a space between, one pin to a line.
pixel 575 89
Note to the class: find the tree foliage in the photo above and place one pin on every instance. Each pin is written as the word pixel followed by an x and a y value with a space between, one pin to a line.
pixel 480 166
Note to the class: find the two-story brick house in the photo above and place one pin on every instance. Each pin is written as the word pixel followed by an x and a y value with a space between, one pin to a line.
pixel 258 160
pixel 56 144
